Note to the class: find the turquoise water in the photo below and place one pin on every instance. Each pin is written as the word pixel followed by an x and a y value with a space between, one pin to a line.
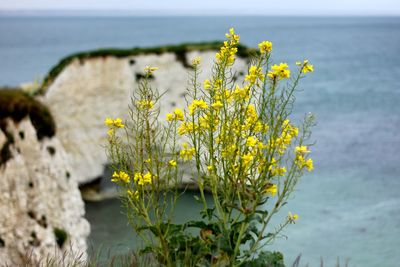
pixel 350 206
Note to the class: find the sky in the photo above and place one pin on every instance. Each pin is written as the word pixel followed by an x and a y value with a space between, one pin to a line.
pixel 203 7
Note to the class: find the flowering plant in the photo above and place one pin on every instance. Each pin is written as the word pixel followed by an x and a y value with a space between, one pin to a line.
pixel 243 150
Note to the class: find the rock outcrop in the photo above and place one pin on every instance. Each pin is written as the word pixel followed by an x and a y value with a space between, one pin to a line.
pixel 41 209
pixel 83 90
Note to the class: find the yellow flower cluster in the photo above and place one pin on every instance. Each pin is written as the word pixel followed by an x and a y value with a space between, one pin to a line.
pixel 187 152
pixel 241 94
pixel 117 123
pixel 196 61
pixel 120 176
pixel 177 115
pixel 284 140
pixel 271 189
pixel 229 49
pixel 305 66
pixel 247 159
pixel 172 163
pixel 145 104
pixel 143 179
pixel 255 74
pixel 265 47
pixel 300 159
pixel 149 70
pixel 133 194
pixel 280 71
pixel 292 217
pixel 207 84
pixel 187 128
pixel 197 104
pixel 113 124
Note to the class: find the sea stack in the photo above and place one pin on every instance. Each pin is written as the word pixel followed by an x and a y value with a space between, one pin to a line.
pixel 41 209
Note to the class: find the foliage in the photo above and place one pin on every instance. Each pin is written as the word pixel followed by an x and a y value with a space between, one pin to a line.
pixel 241 147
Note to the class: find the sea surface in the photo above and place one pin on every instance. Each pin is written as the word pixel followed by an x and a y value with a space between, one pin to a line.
pixel 349 207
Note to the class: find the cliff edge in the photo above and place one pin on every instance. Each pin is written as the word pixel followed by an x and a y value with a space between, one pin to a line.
pixel 41 209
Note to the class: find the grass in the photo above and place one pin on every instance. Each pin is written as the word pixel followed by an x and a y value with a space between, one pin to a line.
pixel 179 50
pixel 132 259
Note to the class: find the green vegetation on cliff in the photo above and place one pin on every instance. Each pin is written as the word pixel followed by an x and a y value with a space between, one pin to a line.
pixel 16 105
pixel 179 50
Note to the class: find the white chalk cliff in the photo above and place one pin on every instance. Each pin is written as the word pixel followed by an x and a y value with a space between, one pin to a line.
pixel 41 209
pixel 89 90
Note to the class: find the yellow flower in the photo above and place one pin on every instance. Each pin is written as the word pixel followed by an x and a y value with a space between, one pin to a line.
pixel 302 149
pixel 120 176
pixel 280 71
pixel 210 168
pixel 118 123
pixel 179 115
pixel 229 151
pixel 142 179
pixel 251 114
pixel 247 158
pixel 187 127
pixel 302 162
pixel 149 70
pixel 110 132
pixel 137 177
pixel 148 160
pixel 172 163
pixel 309 165
pixel 196 61
pixel 251 141
pixel 255 73
pixel 109 122
pixel 265 47
pixel 241 94
pixel 187 153
pixel 217 105
pixel 145 104
pixel 292 217
pixel 207 84
pixel 170 117
pixel 271 189
pixel 133 194
pixel 114 123
pixel 232 36
pixel 306 66
pixel 201 104
pixel 280 171
pixel 146 179
pixel 229 49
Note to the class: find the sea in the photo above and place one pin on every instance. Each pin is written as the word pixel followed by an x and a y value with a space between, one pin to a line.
pixel 349 207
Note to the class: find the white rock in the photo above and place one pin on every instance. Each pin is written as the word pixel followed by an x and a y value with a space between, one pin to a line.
pixel 38 193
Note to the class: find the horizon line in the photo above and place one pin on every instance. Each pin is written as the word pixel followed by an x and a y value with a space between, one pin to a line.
pixel 187 12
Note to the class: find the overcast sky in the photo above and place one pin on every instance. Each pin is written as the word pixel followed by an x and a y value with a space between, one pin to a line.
pixel 202 7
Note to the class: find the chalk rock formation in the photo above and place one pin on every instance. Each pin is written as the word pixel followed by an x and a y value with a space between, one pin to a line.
pixel 88 90
pixel 41 209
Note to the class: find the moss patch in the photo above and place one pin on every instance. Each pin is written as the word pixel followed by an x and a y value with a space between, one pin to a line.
pixel 5 153
pixel 16 104
pixel 179 50
pixel 61 236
